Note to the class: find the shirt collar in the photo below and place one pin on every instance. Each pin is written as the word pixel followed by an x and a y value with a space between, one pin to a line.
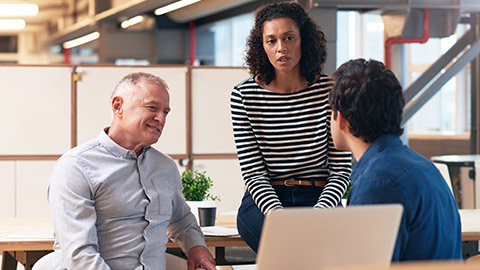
pixel 377 146
pixel 116 149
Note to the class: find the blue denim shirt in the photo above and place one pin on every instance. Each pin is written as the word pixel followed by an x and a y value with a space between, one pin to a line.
pixel 390 172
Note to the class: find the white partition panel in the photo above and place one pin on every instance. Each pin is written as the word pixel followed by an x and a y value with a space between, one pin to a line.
pixel 31 188
pixel 211 120
pixel 94 111
pixel 7 192
pixel 227 182
pixel 35 108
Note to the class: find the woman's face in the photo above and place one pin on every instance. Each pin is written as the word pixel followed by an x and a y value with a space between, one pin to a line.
pixel 282 44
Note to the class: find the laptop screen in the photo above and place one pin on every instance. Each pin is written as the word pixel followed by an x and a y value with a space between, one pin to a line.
pixel 307 238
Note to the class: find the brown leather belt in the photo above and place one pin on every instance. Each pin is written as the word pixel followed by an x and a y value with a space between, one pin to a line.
pixel 293 182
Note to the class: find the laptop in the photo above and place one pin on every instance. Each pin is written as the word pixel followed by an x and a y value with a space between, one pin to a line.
pixel 307 238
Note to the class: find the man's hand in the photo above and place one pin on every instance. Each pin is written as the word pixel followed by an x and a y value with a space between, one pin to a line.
pixel 200 257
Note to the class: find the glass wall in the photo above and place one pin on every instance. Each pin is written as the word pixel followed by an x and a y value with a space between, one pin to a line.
pixel 228 38
pixel 448 112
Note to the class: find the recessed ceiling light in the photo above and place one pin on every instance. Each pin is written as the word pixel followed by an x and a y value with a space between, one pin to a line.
pixel 174 6
pixel 131 21
pixel 18 9
pixel 81 40
pixel 12 24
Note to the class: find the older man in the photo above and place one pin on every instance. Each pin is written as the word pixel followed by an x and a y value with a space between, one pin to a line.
pixel 115 200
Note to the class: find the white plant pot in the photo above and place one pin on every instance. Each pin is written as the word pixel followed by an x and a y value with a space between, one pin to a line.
pixel 195 204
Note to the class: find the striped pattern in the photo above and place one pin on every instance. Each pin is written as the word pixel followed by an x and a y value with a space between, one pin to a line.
pixel 281 136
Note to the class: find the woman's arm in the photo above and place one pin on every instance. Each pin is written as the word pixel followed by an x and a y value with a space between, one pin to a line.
pixel 339 164
pixel 250 157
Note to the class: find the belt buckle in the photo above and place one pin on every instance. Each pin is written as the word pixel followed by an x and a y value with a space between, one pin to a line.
pixel 288 181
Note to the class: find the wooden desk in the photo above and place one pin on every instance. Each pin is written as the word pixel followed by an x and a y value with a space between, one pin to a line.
pixel 28 251
pixel 25 251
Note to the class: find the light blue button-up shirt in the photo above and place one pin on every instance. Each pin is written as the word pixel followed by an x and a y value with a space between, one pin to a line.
pixel 112 210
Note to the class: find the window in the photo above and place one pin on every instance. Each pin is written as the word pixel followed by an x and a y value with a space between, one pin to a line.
pixel 359 36
pixel 448 111
pixel 229 39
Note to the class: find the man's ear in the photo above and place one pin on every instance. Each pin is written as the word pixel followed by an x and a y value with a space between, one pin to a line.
pixel 342 122
pixel 117 105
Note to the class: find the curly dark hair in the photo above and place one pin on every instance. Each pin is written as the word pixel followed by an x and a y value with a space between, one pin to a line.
pixel 370 97
pixel 313 42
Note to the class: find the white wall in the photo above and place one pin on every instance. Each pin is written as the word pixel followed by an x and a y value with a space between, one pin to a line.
pixel 7 192
pixel 36 109
pixel 94 111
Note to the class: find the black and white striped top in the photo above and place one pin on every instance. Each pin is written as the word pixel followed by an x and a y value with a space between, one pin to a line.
pixel 281 136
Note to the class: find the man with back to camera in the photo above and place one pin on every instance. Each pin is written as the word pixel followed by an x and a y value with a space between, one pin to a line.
pixel 115 200
pixel 367 105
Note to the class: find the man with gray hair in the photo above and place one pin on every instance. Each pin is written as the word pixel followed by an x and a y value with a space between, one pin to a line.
pixel 115 200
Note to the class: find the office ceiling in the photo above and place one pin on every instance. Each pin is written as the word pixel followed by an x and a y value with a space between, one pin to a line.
pixel 62 20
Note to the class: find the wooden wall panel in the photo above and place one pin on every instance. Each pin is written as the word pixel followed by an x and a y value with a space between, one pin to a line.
pixel 94 111
pixel 7 192
pixel 31 188
pixel 211 119
pixel 35 108
pixel 434 146
pixel 227 182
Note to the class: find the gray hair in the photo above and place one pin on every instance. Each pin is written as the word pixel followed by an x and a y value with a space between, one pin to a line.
pixel 128 81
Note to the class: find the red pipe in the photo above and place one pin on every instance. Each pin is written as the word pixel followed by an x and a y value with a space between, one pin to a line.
pixel 193 45
pixel 396 40
pixel 66 56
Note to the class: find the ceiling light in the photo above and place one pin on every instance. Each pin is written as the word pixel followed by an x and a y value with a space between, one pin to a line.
pixel 81 40
pixel 174 6
pixel 12 24
pixel 131 21
pixel 18 9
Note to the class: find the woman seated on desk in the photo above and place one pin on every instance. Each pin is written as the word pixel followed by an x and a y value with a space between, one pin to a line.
pixel 281 120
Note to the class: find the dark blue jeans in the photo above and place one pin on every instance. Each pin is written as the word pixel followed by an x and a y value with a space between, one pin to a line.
pixel 250 218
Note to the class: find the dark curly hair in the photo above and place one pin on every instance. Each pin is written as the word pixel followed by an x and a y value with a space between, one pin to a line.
pixel 370 97
pixel 313 42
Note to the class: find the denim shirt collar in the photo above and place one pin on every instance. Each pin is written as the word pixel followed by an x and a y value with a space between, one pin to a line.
pixel 115 149
pixel 377 146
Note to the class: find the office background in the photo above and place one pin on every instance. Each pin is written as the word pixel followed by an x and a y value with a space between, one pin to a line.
pixel 58 97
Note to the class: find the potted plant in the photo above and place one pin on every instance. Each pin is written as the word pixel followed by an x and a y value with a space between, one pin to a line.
pixel 196 186
pixel 196 191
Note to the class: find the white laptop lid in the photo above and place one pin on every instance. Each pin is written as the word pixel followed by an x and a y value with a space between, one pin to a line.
pixel 307 238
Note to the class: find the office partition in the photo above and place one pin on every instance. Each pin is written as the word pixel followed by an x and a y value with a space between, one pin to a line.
pixel 35 110
pixel 46 110
pixel 94 88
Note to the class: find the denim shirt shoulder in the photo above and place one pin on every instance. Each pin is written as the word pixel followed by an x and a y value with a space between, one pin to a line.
pixel 383 171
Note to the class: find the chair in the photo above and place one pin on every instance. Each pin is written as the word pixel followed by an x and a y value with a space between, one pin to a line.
pixel 174 262
pixel 46 262
pixel 474 260
pixel 443 168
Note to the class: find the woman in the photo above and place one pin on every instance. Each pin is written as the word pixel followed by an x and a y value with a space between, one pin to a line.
pixel 281 120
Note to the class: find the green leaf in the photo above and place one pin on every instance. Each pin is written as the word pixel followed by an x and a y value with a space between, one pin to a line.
pixel 196 186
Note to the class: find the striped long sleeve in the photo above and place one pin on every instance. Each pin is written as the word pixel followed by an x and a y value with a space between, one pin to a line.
pixel 281 136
